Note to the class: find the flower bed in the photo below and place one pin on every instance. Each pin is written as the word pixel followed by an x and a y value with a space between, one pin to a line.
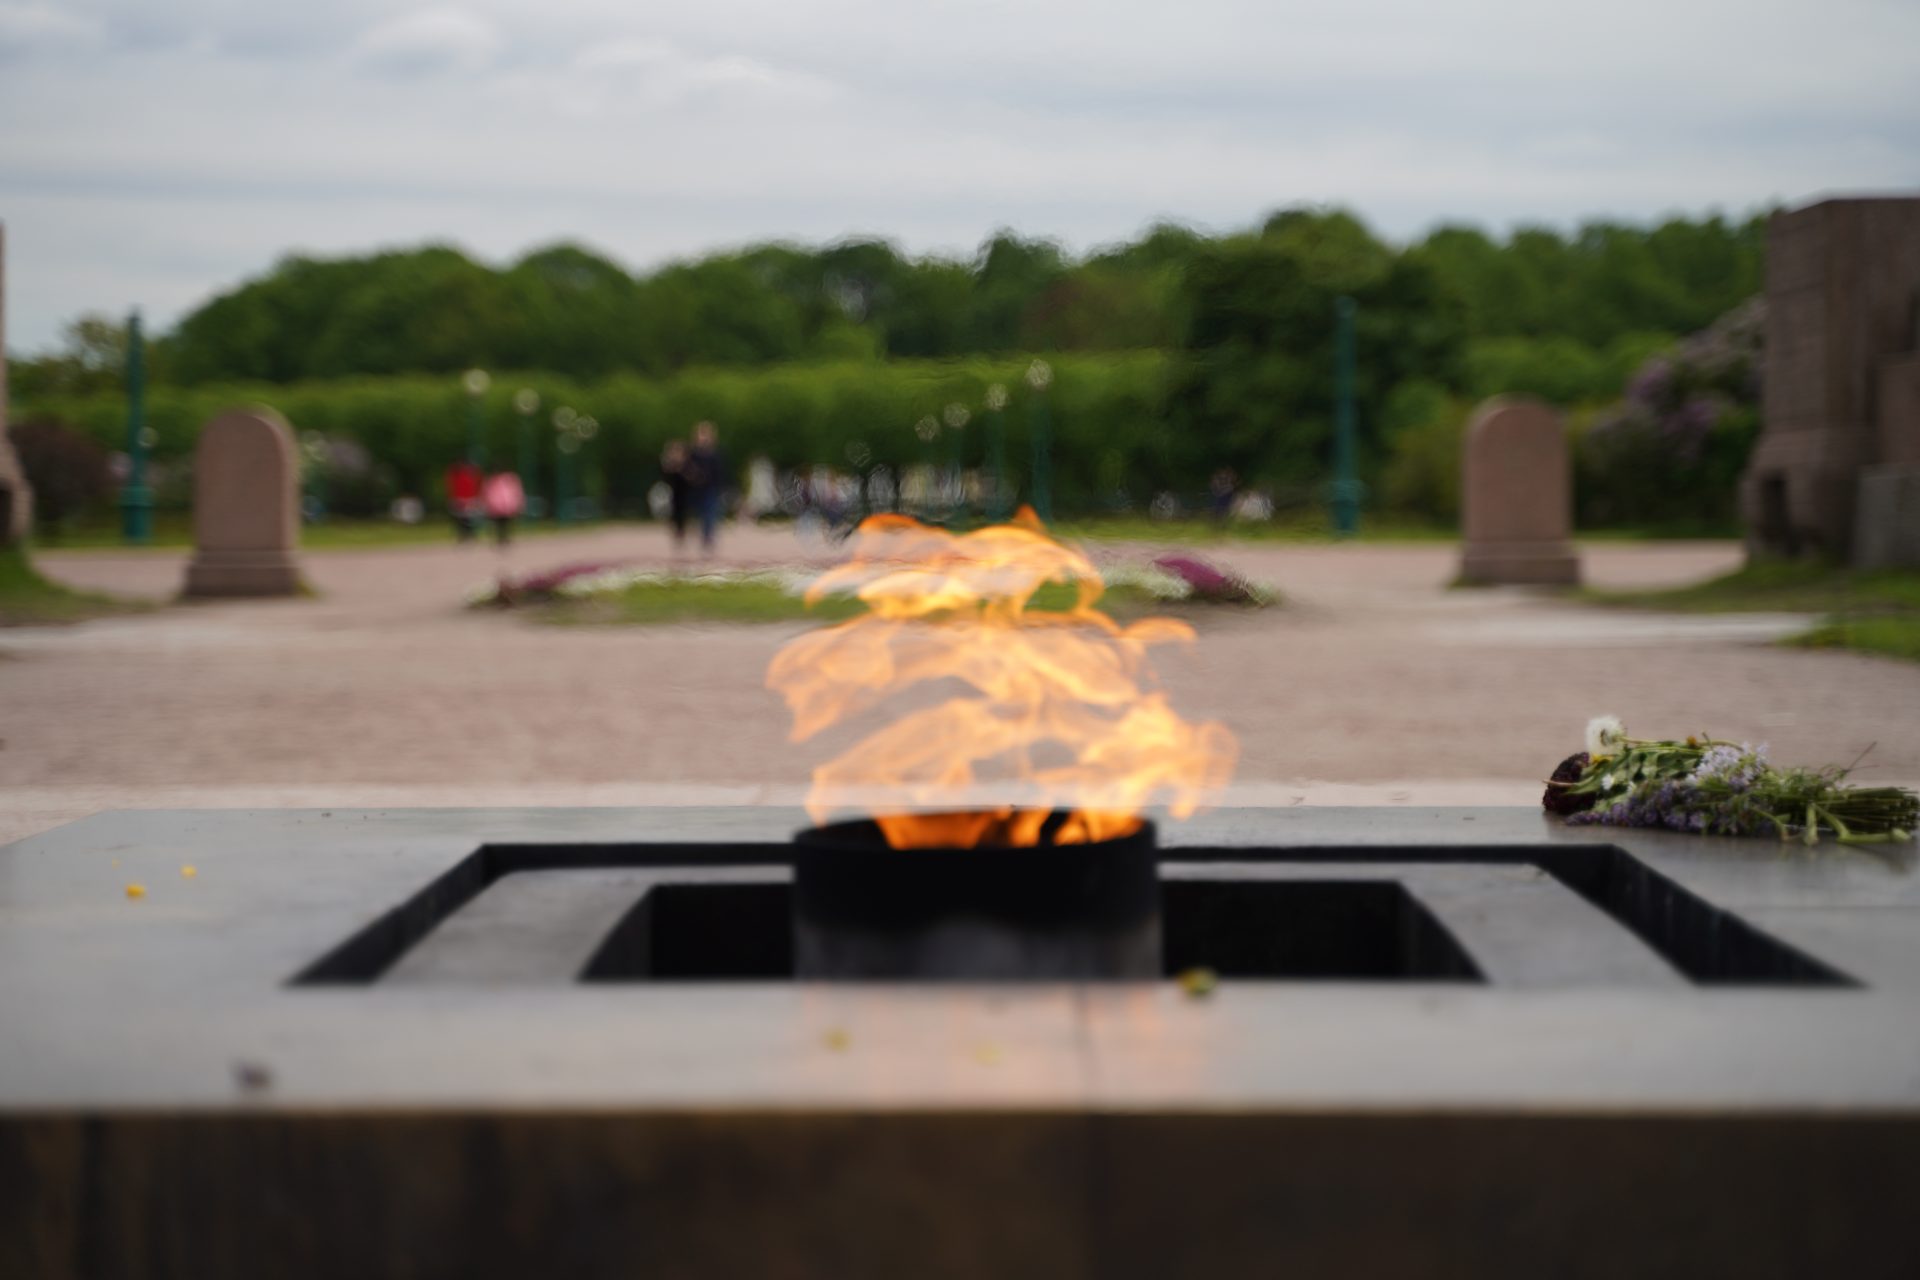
pixel 1169 579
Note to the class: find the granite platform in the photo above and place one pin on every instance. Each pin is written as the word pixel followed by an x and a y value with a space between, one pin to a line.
pixel 406 1042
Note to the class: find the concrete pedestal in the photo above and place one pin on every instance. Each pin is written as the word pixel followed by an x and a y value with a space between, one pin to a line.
pixel 1596 1098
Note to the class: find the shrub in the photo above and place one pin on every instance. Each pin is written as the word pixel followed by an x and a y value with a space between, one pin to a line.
pixel 67 471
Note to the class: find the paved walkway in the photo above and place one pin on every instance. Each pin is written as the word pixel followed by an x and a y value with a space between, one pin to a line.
pixel 1375 685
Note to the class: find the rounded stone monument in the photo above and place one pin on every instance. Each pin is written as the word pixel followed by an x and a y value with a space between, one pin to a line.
pixel 245 507
pixel 1516 497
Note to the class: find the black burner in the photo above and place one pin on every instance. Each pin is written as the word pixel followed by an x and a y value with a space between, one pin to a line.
pixel 863 909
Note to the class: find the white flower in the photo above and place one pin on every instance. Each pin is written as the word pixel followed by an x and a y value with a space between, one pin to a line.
pixel 1605 736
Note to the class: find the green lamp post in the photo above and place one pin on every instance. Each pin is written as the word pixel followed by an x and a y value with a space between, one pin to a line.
pixel 564 446
pixel 526 403
pixel 476 382
pixel 1346 483
pixel 997 452
pixel 136 500
pixel 313 476
pixel 585 428
pixel 928 430
pixel 956 417
pixel 1039 378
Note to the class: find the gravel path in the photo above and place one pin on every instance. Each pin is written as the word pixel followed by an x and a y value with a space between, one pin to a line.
pixel 1374 685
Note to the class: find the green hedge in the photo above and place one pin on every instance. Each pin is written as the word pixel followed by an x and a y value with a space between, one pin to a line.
pixel 1104 410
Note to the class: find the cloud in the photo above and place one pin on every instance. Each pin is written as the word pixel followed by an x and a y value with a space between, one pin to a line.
pixel 40 28
pixel 658 73
pixel 428 41
pixel 667 129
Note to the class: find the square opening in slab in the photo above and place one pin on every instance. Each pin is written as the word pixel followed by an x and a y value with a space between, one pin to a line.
pixel 686 932
pixel 1301 928
pixel 1332 930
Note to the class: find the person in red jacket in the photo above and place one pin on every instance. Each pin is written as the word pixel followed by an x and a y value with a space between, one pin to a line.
pixel 463 498
pixel 504 500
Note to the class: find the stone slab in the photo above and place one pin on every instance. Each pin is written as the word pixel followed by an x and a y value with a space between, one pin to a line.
pixel 114 1002
pixel 1887 518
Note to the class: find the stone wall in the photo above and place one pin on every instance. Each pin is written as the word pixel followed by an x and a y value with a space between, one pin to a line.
pixel 1843 299
pixel 16 499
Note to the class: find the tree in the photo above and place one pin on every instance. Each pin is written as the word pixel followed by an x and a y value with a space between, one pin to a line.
pixel 1255 391
pixel 92 358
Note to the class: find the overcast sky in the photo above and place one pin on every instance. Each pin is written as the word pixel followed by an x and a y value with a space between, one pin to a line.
pixel 159 151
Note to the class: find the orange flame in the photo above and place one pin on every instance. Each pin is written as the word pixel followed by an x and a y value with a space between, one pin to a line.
pixel 1068 685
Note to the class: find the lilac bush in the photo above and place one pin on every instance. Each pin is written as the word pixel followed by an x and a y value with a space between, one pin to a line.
pixel 1675 444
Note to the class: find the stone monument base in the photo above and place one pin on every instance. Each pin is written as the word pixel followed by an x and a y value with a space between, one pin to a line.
pixel 1886 531
pixel 242 573
pixel 1538 564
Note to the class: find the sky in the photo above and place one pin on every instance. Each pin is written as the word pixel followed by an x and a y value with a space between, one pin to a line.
pixel 156 154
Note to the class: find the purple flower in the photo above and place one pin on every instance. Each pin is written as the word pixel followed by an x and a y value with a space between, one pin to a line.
pixel 1208 581
pixel 1649 385
pixel 550 580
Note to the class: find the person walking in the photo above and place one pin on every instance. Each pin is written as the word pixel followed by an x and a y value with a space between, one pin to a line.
pixel 463 498
pixel 673 474
pixel 706 472
pixel 504 499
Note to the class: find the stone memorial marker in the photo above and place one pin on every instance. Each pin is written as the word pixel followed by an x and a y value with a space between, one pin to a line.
pixel 245 504
pixel 1517 496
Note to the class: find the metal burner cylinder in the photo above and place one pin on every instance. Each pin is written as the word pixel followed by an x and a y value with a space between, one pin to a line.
pixel 866 911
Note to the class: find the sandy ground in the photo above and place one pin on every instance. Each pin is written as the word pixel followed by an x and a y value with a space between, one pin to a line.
pixel 1374 685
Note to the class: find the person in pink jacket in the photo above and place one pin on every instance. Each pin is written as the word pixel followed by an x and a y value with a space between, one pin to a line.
pixel 504 500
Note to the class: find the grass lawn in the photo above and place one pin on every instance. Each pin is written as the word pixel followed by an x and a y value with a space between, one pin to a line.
pixel 1874 611
pixel 692 601
pixel 1189 531
pixel 27 599
pixel 652 603
pixel 1897 636
pixel 1784 587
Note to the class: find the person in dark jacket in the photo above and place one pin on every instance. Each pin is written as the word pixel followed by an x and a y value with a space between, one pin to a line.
pixel 706 473
pixel 673 474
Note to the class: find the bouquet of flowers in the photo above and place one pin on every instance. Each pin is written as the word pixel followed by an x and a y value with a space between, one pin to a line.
pixel 1719 788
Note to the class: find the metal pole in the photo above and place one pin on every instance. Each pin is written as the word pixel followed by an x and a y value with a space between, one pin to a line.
pixel 523 450
pixel 1346 484
pixel 1039 378
pixel 526 402
pixel 136 500
pixel 997 451
pixel 476 382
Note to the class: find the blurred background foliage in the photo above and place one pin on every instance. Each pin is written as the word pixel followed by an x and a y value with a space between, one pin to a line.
pixel 1174 354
